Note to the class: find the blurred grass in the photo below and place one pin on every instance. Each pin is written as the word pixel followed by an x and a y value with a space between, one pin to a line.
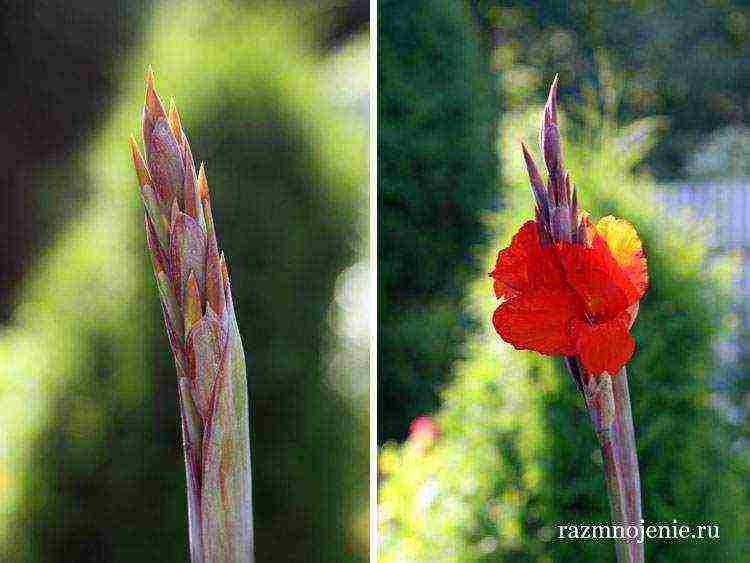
pixel 516 456
pixel 90 464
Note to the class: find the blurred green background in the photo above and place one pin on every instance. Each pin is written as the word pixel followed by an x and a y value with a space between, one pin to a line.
pixel 274 98
pixel 654 100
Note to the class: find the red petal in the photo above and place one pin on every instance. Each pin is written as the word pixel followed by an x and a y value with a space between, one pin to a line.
pixel 627 249
pixel 637 273
pixel 605 347
pixel 540 320
pixel 596 277
pixel 526 265
pixel 510 273
pixel 615 270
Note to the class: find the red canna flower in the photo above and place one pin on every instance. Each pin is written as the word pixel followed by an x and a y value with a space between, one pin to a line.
pixel 569 287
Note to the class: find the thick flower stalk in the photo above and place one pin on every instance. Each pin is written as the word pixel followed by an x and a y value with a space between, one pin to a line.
pixel 571 288
pixel 200 321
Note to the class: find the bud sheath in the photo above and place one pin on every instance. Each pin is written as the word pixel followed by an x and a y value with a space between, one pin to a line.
pixel 199 318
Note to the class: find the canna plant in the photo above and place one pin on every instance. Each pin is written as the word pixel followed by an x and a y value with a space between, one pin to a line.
pixel 196 297
pixel 571 288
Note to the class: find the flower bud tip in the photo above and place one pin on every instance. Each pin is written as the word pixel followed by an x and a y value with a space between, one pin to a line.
pixel 153 108
pixel 526 152
pixel 202 182
pixel 150 77
pixel 551 105
pixel 174 120
pixel 224 268
pixel 144 177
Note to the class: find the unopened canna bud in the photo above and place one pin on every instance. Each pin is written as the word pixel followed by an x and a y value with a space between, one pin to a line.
pixel 549 136
pixel 557 214
pixel 195 293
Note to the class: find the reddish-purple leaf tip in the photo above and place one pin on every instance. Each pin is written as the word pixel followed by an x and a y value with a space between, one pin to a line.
pixel 174 121
pixel 202 182
pixel 144 177
pixel 150 79
pixel 214 279
pixel 154 108
pixel 551 105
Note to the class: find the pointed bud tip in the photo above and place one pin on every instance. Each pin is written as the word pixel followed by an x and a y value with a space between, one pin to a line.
pixel 525 149
pixel 225 274
pixel 530 164
pixel 135 150
pixel 550 109
pixel 153 108
pixel 192 282
pixel 202 182
pixel 150 79
pixel 174 119
pixel 144 177
pixel 223 262
pixel 214 278
pixel 553 88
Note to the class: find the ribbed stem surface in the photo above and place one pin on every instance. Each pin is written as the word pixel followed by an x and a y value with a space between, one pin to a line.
pixel 608 400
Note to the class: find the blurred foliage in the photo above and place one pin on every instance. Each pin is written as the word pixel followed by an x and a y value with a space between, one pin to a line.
pixel 436 167
pixel 61 61
pixel 686 60
pixel 90 457
pixel 516 455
